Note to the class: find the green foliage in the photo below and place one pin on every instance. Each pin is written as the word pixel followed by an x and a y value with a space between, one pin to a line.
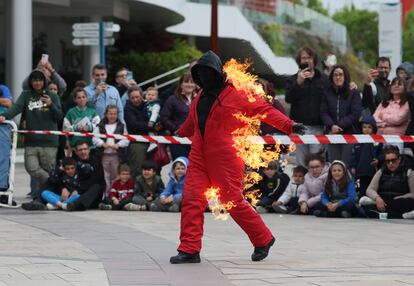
pixel 408 37
pixel 272 34
pixel 317 6
pixel 362 26
pixel 149 64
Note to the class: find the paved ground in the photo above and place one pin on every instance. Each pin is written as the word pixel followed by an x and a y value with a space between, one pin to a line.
pixel 124 248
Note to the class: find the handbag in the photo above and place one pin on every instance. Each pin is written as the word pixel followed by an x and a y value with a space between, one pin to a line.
pixel 160 155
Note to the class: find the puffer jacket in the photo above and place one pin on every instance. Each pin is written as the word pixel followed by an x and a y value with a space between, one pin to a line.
pixel 313 187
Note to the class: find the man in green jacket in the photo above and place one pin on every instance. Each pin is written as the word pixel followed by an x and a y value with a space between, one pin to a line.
pixel 42 110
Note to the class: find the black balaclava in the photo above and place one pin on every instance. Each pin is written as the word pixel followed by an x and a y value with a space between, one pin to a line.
pixel 212 84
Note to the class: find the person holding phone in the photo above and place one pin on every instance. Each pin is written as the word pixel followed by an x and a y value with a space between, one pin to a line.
pixel 376 84
pixel 304 92
pixel 101 94
pixel 50 73
pixel 124 79
pixel 42 110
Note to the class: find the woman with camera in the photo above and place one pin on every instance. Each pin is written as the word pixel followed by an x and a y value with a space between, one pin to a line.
pixel 340 111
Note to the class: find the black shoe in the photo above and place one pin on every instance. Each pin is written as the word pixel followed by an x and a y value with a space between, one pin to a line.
pixel 33 206
pixel 261 253
pixel 346 214
pixel 70 207
pixel 183 257
pixel 320 213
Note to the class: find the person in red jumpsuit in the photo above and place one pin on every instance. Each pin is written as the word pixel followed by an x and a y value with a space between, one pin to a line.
pixel 214 162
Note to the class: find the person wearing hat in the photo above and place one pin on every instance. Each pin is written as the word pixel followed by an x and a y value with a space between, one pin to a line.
pixel 42 110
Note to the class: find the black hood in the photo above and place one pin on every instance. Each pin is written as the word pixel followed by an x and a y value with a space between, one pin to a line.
pixel 210 60
pixel 369 119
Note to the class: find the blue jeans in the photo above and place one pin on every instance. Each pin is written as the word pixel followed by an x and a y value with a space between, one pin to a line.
pixel 53 198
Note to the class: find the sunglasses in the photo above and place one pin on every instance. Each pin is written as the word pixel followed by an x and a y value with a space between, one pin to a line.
pixel 391 161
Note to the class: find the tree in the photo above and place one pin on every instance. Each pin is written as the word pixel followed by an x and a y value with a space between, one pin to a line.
pixel 362 26
pixel 408 37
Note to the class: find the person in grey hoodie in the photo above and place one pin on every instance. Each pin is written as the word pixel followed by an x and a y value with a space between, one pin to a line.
pixel 405 71
pixel 314 182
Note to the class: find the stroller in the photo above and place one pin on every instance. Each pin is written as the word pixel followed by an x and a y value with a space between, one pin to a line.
pixel 8 144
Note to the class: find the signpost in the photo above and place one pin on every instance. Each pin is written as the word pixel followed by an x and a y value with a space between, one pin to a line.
pixel 95 34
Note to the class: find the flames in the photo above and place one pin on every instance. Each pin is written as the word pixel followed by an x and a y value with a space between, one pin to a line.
pixel 244 81
pixel 254 155
pixel 218 209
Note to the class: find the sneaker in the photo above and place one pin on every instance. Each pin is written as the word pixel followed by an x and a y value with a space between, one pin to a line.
pixel 174 208
pixel 143 207
pixel 132 207
pixel 279 209
pixel 366 201
pixel 261 253
pixel 51 207
pixel 151 147
pixel 408 215
pixel 70 207
pixel 154 207
pixel 346 214
pixel 64 206
pixel 33 206
pixel 261 210
pixel 105 207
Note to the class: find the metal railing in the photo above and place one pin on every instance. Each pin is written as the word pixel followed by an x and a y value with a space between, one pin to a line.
pixel 163 75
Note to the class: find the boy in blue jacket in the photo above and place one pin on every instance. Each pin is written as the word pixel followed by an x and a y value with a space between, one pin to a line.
pixel 170 198
pixel 366 157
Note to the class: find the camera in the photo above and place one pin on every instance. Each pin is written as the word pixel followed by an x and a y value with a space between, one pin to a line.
pixel 303 66
pixel 381 74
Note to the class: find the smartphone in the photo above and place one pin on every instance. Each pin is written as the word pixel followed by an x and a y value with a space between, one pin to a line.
pixel 130 75
pixel 45 59
pixel 303 66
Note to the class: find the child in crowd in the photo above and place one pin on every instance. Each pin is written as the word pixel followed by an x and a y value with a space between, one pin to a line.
pixel 62 186
pixel 53 87
pixel 153 108
pixel 80 118
pixel 121 194
pixel 288 202
pixel 365 157
pixel 170 198
pixel 314 182
pixel 111 151
pixel 148 185
pixel 271 187
pixel 338 197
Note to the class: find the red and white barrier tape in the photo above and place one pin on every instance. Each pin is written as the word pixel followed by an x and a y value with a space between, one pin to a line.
pixel 276 139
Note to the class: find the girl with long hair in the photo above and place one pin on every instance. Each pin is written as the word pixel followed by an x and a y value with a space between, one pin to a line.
pixel 338 197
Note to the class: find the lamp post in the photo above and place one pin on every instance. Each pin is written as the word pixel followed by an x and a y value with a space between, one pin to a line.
pixel 214 27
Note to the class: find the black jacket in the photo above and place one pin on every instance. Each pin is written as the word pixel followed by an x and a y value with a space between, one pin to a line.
pixel 306 99
pixel 90 172
pixel 136 119
pixel 369 100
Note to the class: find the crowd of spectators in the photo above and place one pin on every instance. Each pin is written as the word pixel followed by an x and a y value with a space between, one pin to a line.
pixel 342 180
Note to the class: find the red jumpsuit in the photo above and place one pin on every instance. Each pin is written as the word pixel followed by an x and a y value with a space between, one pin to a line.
pixel 214 162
